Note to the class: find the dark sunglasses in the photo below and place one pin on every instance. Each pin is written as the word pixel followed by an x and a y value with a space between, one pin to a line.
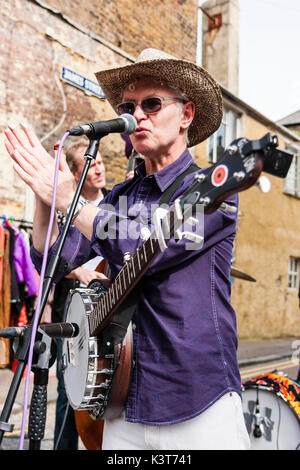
pixel 149 105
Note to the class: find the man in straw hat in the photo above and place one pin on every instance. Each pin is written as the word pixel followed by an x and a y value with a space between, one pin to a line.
pixel 185 391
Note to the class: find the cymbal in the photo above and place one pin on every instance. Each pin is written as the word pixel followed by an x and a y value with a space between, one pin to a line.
pixel 241 275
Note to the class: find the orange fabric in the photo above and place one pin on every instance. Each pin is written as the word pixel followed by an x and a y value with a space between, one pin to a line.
pixel 2 243
pixel 5 302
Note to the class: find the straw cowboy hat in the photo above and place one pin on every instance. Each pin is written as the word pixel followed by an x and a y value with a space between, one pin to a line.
pixel 191 79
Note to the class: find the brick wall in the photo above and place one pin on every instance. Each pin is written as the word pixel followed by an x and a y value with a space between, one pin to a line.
pixel 134 25
pixel 39 38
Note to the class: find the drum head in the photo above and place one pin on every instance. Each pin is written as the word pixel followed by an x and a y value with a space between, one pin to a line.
pixel 271 422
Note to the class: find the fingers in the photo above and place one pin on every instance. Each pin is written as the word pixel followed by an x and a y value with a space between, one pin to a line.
pixel 18 153
pixel 31 136
pixel 86 276
pixel 24 139
pixel 18 138
pixel 23 163
pixel 102 276
pixel 23 175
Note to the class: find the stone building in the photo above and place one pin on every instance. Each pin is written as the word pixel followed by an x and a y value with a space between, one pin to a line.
pixel 49 53
pixel 292 121
pixel 268 239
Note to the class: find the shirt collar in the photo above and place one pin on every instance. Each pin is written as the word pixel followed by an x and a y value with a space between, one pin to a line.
pixel 165 177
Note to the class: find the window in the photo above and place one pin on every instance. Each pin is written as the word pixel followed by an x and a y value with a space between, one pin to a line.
pixel 292 180
pixel 293 281
pixel 227 132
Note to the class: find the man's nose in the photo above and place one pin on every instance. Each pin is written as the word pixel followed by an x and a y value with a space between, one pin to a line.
pixel 139 114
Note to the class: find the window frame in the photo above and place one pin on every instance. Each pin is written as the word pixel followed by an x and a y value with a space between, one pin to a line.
pixel 292 180
pixel 228 112
pixel 293 273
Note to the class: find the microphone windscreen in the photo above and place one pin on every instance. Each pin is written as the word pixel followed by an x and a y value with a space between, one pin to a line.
pixel 130 123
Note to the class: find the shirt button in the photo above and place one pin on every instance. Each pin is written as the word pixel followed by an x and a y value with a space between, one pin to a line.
pixel 133 326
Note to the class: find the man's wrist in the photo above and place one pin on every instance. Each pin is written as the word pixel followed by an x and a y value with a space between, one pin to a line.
pixel 80 204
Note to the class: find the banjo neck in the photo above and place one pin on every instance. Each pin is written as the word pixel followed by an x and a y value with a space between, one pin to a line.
pixel 127 278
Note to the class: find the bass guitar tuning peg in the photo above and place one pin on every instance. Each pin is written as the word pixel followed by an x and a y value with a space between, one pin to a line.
pixel 227 208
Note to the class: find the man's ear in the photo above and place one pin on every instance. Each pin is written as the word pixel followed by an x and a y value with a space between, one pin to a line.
pixel 188 113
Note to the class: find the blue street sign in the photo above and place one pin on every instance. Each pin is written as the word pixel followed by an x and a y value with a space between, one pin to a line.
pixel 81 82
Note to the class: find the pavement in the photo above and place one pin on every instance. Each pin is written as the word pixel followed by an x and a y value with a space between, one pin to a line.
pixel 249 352
pixel 264 350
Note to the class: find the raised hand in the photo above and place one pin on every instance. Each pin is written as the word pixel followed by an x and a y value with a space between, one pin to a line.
pixel 36 167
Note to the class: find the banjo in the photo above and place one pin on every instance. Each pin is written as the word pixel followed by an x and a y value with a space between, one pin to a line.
pixel 97 374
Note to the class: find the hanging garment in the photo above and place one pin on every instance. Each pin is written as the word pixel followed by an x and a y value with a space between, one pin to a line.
pixel 24 286
pixel 5 304
pixel 14 288
pixel 2 243
pixel 23 265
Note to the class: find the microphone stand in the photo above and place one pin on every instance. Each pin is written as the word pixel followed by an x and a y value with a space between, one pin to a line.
pixel 39 397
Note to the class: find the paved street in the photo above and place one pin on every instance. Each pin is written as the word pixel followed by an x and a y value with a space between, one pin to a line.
pixel 255 357
pixel 11 441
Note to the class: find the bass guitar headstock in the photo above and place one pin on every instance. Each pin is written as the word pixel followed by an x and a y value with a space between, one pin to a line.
pixel 238 169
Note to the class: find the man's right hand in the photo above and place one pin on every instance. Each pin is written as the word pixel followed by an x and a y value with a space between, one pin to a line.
pixel 36 167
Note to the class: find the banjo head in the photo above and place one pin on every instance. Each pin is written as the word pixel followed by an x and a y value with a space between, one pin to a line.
pixel 76 352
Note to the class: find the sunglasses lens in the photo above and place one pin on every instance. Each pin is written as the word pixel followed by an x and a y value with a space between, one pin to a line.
pixel 126 108
pixel 151 105
pixel 148 105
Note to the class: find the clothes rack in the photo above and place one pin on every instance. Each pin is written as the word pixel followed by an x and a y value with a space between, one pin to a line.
pixel 17 219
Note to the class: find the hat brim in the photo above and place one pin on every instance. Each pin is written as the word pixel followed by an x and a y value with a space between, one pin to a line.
pixel 194 81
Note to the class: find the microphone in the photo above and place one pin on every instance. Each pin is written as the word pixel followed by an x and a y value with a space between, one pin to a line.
pixel 54 330
pixel 124 124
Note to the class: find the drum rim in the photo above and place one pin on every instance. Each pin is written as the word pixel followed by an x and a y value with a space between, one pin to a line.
pixel 250 384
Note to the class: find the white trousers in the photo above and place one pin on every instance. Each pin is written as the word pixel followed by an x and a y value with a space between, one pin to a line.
pixel 220 427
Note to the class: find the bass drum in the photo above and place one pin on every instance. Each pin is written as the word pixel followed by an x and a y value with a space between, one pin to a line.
pixel 271 406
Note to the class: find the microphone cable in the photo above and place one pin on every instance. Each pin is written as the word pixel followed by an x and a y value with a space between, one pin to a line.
pixel 36 315
pixel 62 426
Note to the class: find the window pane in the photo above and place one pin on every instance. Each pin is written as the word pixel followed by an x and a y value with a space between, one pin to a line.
pixel 220 141
pixel 293 273
pixel 292 180
pixel 211 149
pixel 226 133
pixel 231 127
pixel 297 175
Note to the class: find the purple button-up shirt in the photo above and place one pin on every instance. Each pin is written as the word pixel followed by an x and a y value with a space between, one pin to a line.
pixel 185 339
